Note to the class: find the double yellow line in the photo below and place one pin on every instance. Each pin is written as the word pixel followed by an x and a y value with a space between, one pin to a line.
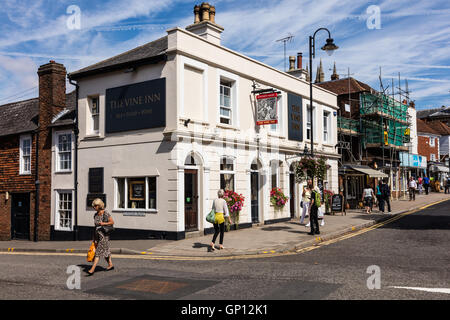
pixel 265 254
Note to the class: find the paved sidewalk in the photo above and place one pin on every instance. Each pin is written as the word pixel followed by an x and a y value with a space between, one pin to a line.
pixel 263 239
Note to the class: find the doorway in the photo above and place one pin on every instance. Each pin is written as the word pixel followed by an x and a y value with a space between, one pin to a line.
pixel 254 185
pixel 191 200
pixel 20 216
pixel 292 193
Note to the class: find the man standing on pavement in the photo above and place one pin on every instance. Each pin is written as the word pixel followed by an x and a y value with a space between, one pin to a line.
pixel 412 186
pixel 426 184
pixel 447 185
pixel 313 211
pixel 385 196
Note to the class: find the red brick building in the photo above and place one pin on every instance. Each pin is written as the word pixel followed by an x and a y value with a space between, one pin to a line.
pixel 25 157
pixel 428 141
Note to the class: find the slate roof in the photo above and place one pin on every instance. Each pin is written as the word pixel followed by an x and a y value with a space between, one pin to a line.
pixel 442 111
pixel 341 86
pixel 22 116
pixel 440 127
pixel 145 53
pixel 424 127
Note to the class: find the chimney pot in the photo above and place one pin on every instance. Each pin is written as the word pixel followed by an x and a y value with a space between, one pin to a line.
pixel 212 14
pixel 197 14
pixel 299 60
pixel 205 11
pixel 291 63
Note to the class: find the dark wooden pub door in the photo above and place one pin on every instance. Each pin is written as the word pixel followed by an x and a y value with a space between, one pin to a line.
pixel 190 200
pixel 20 216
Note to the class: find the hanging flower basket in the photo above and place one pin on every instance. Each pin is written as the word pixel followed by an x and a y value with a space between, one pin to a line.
pixel 277 198
pixel 310 168
pixel 235 203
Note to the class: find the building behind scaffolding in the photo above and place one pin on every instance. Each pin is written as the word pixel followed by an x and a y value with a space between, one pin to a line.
pixel 376 138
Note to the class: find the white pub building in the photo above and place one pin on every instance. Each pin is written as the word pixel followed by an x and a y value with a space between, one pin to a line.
pixel 164 126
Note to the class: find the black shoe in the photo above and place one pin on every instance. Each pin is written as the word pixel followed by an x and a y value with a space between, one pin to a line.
pixel 311 233
pixel 89 274
pixel 110 268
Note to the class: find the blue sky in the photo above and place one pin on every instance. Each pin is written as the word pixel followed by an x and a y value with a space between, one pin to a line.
pixel 412 37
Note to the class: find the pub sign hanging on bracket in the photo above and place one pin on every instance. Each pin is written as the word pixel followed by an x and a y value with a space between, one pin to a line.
pixel 266 109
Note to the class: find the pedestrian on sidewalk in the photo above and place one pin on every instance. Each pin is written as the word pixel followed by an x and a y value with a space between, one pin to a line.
pixel 313 212
pixel 426 184
pixel 412 189
pixel 102 243
pixel 368 196
pixel 378 194
pixel 420 185
pixel 306 199
pixel 385 196
pixel 221 209
pixel 447 185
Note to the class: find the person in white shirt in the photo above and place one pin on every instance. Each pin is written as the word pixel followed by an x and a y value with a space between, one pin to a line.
pixel 221 209
pixel 412 186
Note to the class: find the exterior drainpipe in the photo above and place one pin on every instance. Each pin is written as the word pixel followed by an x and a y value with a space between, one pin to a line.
pixel 36 196
pixel 76 132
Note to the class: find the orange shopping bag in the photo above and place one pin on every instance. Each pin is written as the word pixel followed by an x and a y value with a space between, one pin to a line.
pixel 91 253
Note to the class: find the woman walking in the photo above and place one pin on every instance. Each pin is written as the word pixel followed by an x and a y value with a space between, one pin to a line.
pixel 368 199
pixel 102 244
pixel 306 198
pixel 221 209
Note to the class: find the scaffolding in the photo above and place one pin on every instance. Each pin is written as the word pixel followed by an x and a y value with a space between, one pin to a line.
pixel 385 122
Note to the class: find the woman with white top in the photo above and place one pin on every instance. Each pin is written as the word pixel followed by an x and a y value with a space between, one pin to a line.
pixel 220 207
pixel 368 196
pixel 306 198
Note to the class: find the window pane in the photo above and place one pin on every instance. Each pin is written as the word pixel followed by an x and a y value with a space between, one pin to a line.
pixel 65 210
pixel 227 182
pixel 136 193
pixel 121 193
pixel 152 193
pixel 225 112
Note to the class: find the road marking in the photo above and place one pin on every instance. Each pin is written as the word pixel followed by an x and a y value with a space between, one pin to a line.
pixel 236 257
pixel 433 290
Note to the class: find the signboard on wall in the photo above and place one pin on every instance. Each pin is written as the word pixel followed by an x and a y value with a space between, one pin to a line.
pixel 295 118
pixel 136 106
pixel 266 109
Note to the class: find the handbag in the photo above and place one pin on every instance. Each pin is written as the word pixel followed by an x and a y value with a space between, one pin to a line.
pixel 107 230
pixel 211 216
pixel 91 253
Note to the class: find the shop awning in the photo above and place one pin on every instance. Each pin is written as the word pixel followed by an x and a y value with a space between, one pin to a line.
pixel 370 172
pixel 436 167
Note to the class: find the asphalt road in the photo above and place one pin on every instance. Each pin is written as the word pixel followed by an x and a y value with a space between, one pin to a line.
pixel 413 251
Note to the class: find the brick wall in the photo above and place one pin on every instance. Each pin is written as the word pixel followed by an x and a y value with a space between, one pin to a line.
pixel 12 182
pixel 424 148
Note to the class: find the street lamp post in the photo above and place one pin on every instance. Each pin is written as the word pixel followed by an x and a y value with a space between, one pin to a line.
pixel 329 47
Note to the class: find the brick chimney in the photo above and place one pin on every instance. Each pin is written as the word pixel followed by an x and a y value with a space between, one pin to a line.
pixel 205 24
pixel 299 60
pixel 52 100
pixel 297 71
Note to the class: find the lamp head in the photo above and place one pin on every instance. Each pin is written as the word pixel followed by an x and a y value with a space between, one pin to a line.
pixel 329 47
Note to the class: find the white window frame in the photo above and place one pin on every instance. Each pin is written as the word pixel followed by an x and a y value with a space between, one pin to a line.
pixel 326 133
pixel 57 210
pixel 232 172
pixel 58 151
pixel 275 169
pixel 432 142
pixel 22 169
pixel 92 115
pixel 315 124
pixel 126 208
pixel 278 128
pixel 234 79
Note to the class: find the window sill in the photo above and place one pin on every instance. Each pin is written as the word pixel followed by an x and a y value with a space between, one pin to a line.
pixel 93 136
pixel 63 172
pixel 227 126
pixel 135 210
pixel 63 229
pixel 276 135
pixel 25 174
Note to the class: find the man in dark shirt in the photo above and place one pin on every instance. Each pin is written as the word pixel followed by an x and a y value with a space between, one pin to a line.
pixel 385 196
pixel 313 213
pixel 426 184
